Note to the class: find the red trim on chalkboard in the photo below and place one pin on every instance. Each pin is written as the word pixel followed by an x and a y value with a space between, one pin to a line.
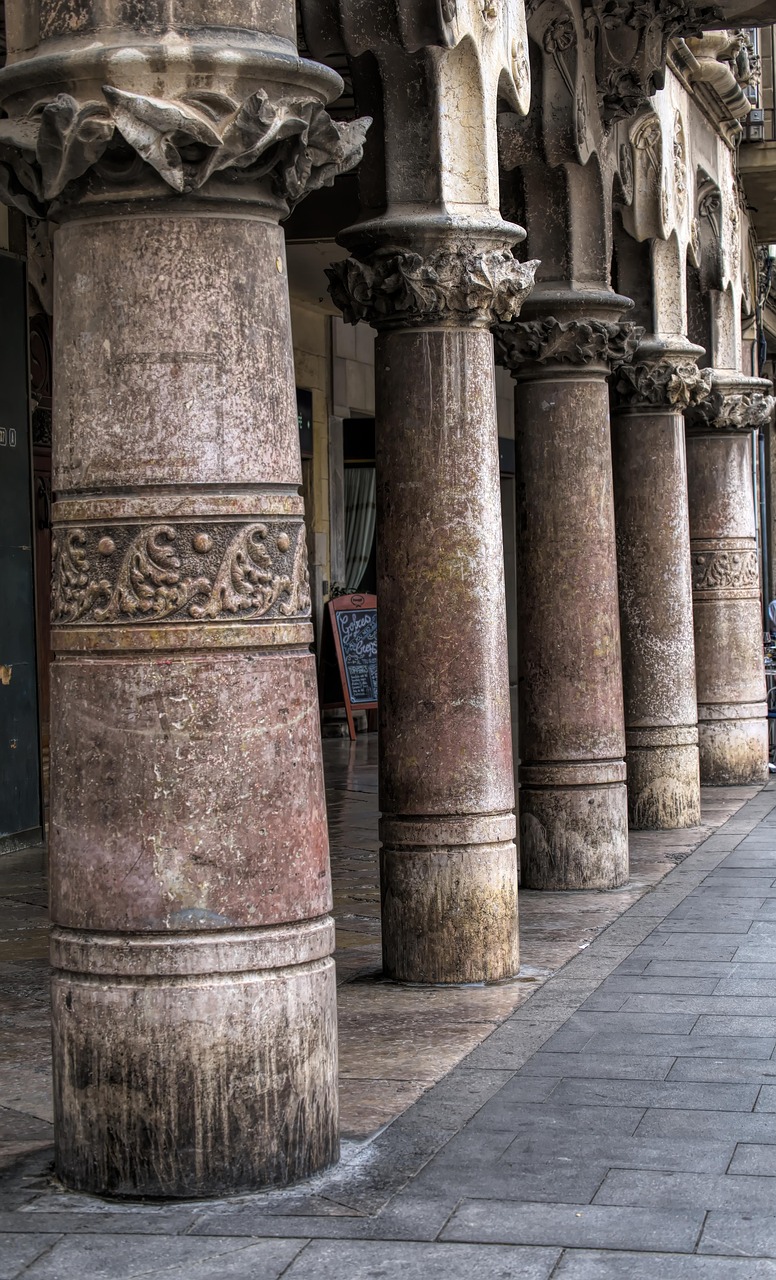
pixel 345 604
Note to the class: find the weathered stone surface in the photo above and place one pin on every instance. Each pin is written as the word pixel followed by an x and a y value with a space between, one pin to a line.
pixel 733 731
pixel 573 809
pixel 449 866
pixel 658 653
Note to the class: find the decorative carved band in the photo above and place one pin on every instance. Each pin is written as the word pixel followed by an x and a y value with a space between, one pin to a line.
pixel 733 410
pixel 664 383
pixel 192 572
pixel 577 342
pixel 454 285
pixel 723 570
pixel 187 141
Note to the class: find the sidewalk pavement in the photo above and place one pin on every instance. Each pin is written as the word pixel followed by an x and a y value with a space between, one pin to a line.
pixel 621 1123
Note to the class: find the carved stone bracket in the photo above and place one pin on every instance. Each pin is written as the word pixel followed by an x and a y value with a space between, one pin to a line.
pixel 209 572
pixel 46 155
pixel 576 342
pixel 455 285
pixel 632 38
pixel 670 384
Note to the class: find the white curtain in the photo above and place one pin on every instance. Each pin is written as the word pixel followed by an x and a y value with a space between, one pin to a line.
pixel 360 513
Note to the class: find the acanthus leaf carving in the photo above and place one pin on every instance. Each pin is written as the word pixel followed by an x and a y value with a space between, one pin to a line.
pixel 733 410
pixel 453 285
pixel 184 573
pixel 577 342
pixel 185 141
pixel 672 384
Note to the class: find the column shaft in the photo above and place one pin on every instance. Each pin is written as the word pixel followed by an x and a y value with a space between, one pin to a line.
pixel 448 859
pixel 573 813
pixel 658 654
pixel 733 730
pixel 193 986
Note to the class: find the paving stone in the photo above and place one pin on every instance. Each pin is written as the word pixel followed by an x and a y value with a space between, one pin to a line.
pixel 663 1190
pixel 716 1005
pixel 646 1093
pixel 581 1265
pixel 398 1261
pixel 719 1070
pixel 690 1046
pixel 726 929
pixel 529 1151
pixel 555 1184
pixel 754 1158
pixel 742 1235
pixel 543 1117
pixel 691 968
pixel 600 1066
pixel 646 984
pixel 577 1225
pixel 731 1025
pixel 18 1251
pixel 654 1023
pixel 736 1126
pixel 116 1257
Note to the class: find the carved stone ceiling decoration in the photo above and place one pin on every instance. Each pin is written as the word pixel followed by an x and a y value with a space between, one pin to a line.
pixel 631 41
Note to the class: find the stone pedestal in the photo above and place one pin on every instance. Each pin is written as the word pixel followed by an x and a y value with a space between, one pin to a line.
pixel 448 858
pixel 573 810
pixel 653 562
pixel 193 991
pixel 732 724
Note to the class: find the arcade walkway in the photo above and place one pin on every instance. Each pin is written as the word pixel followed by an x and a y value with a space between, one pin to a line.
pixel 622 1122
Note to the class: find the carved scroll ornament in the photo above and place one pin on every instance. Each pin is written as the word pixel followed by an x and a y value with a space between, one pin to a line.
pixel 576 342
pixel 664 383
pixel 453 285
pixel 725 570
pixel 187 141
pixel 184 573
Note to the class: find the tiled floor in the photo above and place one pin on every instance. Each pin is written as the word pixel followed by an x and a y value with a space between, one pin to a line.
pixel 621 1126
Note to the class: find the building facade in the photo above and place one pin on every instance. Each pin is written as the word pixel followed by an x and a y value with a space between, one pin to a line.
pixel 468 302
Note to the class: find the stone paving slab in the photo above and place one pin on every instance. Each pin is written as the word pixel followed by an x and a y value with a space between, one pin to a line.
pixel 621 1123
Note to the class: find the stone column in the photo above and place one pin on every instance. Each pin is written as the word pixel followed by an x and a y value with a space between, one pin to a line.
pixel 432 271
pixel 732 724
pixel 653 563
pixel 194 1020
pixel 448 859
pixel 573 809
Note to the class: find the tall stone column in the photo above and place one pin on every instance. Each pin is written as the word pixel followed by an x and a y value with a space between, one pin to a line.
pixel 653 563
pixel 432 271
pixel 194 1020
pixel 573 809
pixel 732 724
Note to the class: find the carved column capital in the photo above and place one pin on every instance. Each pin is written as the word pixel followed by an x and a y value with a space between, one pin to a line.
pixel 735 403
pixel 265 148
pixel 668 382
pixel 453 285
pixel 574 342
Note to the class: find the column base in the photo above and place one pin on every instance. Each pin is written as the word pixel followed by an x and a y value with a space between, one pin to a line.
pixel 191 1065
pixel 733 745
pixel 574 837
pixel 449 899
pixel 664 789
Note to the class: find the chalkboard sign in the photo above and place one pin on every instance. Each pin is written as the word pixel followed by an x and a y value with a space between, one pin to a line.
pixel 354 628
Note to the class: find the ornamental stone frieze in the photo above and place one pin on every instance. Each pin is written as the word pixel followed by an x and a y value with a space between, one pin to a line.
pixel 451 285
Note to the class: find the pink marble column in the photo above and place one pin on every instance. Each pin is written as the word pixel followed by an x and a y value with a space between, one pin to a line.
pixel 193 993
